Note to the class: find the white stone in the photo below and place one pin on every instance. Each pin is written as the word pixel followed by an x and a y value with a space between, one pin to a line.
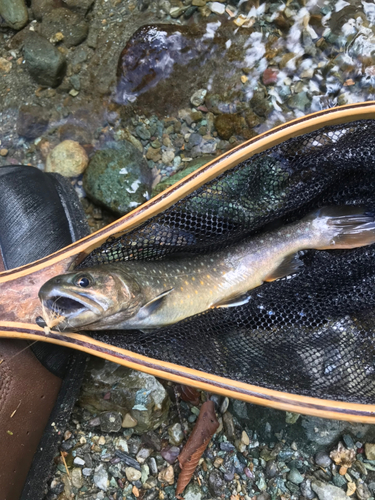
pixel 68 159
pixel 217 8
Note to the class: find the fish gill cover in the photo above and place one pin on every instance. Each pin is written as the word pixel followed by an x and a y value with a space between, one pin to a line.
pixel 311 333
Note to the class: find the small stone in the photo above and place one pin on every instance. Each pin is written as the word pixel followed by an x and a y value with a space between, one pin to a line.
pixel 327 491
pixel 86 471
pixel 218 462
pixel 129 422
pixel 110 421
pixel 322 459
pixel 14 13
pixel 143 454
pixel 269 76
pixel 167 475
pixel 73 92
pixel 170 454
pixel 370 451
pixel 78 461
pixel 132 474
pixel 71 25
pixel 176 436
pixel 5 65
pixel 32 121
pixel 295 477
pixel 306 490
pixel 363 493
pixel 229 425
pixel 101 477
pixel 68 159
pixel 3 152
pixel 167 157
pixel 135 491
pixel 44 62
pixel 153 465
pixel 271 469
pixel 216 483
pixel 76 477
pixel 143 132
pixel 227 125
pixel 245 438
pixel 351 489
pixel 198 97
pixel 101 441
pixel 153 154
pixel 192 492
pixel 217 8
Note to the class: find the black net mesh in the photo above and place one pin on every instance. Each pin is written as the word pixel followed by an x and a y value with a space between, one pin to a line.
pixel 312 333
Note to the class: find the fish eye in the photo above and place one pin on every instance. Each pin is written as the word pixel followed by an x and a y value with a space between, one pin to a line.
pixel 83 281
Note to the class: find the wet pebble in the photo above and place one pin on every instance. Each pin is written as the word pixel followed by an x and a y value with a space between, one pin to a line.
pixel 72 25
pixel 45 63
pixel 176 436
pixel 32 121
pixel 322 459
pixel 216 484
pixel 370 451
pixel 167 475
pixel 110 421
pixel 198 97
pixel 170 453
pixel 129 421
pixel 327 491
pixel 14 13
pixel 132 474
pixel 295 477
pixel 76 477
pixel 306 490
pixel 101 477
pixel 68 159
pixel 229 425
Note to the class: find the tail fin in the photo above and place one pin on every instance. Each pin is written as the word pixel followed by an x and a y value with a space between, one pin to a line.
pixel 344 227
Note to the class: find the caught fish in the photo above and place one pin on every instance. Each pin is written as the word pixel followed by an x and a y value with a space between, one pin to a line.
pixel 148 295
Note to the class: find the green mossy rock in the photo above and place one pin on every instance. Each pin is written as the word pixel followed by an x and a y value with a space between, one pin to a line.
pixel 118 178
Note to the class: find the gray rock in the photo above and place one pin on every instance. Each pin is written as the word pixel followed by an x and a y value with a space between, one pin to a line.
pixel 264 496
pixel 14 13
pixel 81 6
pixel 193 492
pixel 143 454
pixel 110 421
pixel 32 121
pixel 362 492
pixel 295 477
pixel 132 474
pixel 176 436
pixel 327 491
pixel 306 490
pixel 41 7
pixel 216 483
pixel 72 25
pixel 44 62
pixel 271 469
pixel 322 459
pixel 76 477
pixel 101 477
pixel 118 178
pixel 229 425
pixel 124 386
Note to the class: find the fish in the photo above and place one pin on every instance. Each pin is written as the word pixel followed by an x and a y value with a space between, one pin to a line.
pixel 147 295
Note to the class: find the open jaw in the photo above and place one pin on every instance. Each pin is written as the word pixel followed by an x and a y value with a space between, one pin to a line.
pixel 68 306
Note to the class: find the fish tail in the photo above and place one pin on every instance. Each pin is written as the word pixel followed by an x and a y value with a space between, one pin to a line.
pixel 343 227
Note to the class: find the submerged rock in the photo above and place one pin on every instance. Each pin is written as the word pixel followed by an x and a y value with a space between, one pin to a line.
pixel 114 388
pixel 68 159
pixel 32 121
pixel 164 68
pixel 327 491
pixel 118 177
pixel 14 13
pixel 72 25
pixel 44 62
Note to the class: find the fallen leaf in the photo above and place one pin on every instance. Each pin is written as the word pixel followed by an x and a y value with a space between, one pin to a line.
pixel 204 429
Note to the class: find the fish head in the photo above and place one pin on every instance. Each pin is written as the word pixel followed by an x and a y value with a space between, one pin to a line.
pixel 89 297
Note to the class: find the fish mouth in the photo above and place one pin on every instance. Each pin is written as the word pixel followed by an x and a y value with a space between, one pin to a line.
pixel 70 306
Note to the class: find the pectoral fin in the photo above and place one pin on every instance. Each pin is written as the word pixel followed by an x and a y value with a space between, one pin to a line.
pixel 290 265
pixel 153 305
pixel 234 302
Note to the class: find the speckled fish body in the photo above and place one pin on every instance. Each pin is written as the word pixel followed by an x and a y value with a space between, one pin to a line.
pixel 148 295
